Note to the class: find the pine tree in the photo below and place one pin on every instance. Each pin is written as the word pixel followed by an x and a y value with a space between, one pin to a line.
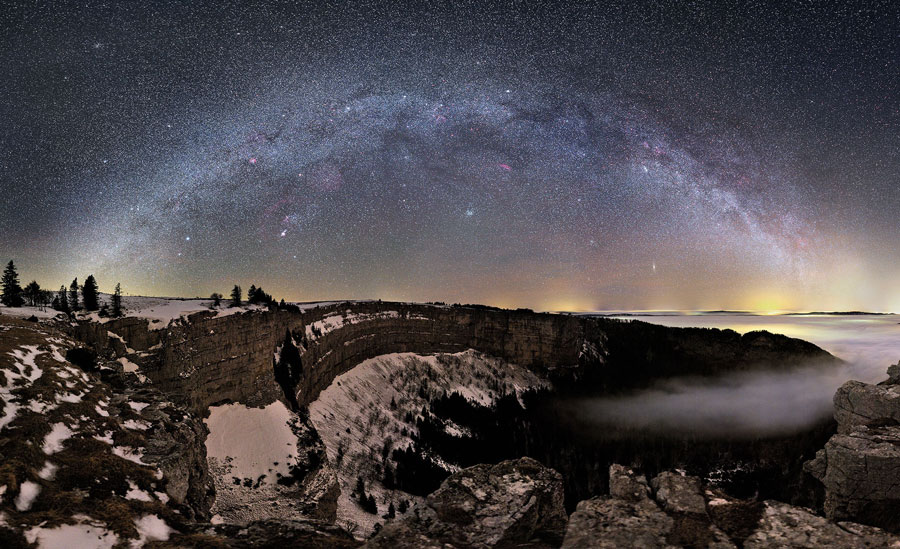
pixel 216 300
pixel 117 300
pixel 236 296
pixel 89 294
pixel 46 297
pixel 73 295
pixel 62 300
pixel 251 295
pixel 32 293
pixel 12 292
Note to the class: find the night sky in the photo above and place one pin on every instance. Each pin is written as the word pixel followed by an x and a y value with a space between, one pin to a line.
pixel 723 155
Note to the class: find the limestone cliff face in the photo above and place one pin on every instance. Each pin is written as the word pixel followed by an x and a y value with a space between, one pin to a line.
pixel 207 358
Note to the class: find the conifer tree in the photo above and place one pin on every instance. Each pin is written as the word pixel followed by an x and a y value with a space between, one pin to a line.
pixel 46 298
pixel 236 296
pixel 89 294
pixel 12 292
pixel 216 300
pixel 73 295
pixel 251 295
pixel 62 300
pixel 32 293
pixel 117 300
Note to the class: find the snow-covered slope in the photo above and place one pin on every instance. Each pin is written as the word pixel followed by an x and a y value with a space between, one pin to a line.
pixel 365 413
pixel 78 466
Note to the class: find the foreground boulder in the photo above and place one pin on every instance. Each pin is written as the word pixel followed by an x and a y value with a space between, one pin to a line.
pixel 630 517
pixel 513 502
pixel 858 466
pixel 674 510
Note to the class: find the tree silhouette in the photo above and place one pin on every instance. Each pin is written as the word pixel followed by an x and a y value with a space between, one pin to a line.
pixel 117 300
pixel 216 299
pixel 73 295
pixel 32 293
pixel 89 294
pixel 236 296
pixel 12 292
pixel 62 300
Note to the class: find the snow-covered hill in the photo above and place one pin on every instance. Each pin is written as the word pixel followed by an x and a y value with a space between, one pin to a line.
pixel 370 411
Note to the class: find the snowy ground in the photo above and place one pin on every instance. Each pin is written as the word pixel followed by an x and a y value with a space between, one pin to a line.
pixel 27 312
pixel 253 443
pixel 356 418
pixel 73 459
pixel 248 450
pixel 160 311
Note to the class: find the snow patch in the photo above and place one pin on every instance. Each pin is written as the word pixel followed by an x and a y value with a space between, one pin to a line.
pixel 67 536
pixel 136 493
pixel 49 471
pixel 54 440
pixel 136 424
pixel 138 406
pixel 333 322
pixel 27 493
pixel 131 367
pixel 151 528
pixel 251 440
pixel 131 454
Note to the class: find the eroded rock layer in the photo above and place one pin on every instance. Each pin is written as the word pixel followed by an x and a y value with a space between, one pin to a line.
pixel 860 465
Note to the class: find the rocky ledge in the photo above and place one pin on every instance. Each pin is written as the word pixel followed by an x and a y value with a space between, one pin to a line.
pixel 675 510
pixel 518 503
pixel 513 503
pixel 860 465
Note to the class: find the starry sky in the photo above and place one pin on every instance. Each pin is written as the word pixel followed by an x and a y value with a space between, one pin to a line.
pixel 633 155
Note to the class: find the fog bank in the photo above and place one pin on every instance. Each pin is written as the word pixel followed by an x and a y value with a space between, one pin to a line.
pixel 758 403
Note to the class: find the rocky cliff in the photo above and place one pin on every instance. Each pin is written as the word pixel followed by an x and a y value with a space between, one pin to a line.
pixel 860 465
pixel 208 357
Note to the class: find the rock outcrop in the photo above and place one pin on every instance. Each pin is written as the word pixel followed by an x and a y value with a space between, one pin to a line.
pixel 860 465
pixel 674 510
pixel 514 502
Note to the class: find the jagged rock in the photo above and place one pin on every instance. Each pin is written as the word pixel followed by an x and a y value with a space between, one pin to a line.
pixel 178 448
pixel 613 523
pixel 310 534
pixel 631 518
pixel 625 484
pixel 860 465
pixel 513 502
pixel 893 374
pixel 783 525
pixel 679 493
pixel 680 514
pixel 857 403
pixel 861 475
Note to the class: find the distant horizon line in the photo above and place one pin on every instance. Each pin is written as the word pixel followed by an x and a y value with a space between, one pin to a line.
pixel 598 312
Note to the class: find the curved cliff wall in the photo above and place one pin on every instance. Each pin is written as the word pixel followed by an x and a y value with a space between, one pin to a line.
pixel 208 358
